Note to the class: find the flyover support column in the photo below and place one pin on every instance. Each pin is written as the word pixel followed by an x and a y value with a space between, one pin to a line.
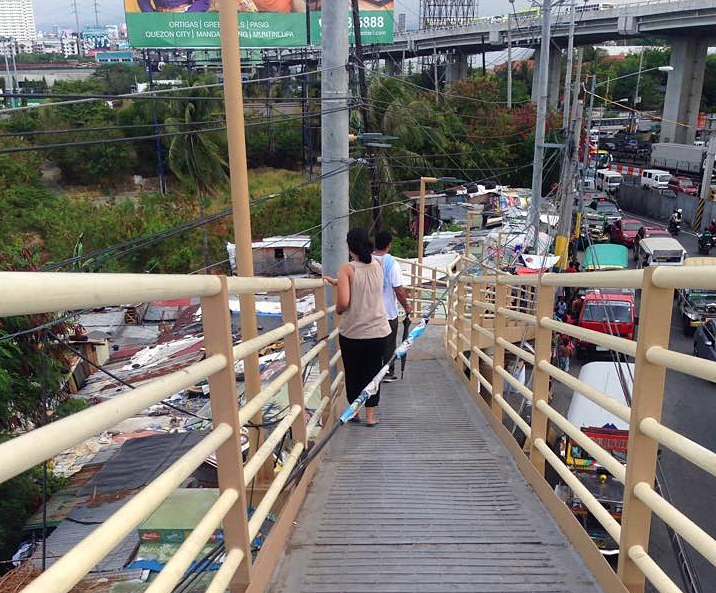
pixel 554 81
pixel 535 77
pixel 683 90
pixel 554 77
pixel 456 68
pixel 393 66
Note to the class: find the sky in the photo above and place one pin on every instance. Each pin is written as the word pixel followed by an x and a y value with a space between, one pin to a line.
pixel 111 12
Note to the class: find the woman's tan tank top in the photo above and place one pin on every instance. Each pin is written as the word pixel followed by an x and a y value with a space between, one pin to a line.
pixel 365 316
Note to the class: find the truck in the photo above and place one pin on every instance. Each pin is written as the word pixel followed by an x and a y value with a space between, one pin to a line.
pixel 678 158
pixel 609 432
pixel 609 311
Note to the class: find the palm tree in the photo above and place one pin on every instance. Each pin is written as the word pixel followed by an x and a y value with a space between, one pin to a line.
pixel 197 149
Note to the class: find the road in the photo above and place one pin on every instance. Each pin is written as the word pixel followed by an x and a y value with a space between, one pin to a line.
pixel 690 409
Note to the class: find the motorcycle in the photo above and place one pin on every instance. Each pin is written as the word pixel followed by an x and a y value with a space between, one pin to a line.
pixel 706 242
pixel 674 227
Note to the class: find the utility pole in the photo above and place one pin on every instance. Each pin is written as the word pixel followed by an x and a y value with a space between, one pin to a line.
pixel 96 13
pixel 8 77
pixel 334 136
pixel 365 114
pixel 706 180
pixel 637 98
pixel 435 74
pixel 540 124
pixel 77 23
pixel 587 140
pixel 569 162
pixel 155 127
pixel 568 75
pixel 509 60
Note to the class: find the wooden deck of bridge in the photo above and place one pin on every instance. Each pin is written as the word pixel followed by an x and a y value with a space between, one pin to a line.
pixel 427 501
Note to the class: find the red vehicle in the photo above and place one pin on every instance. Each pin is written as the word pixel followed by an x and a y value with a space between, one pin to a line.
pixel 609 311
pixel 624 231
pixel 685 185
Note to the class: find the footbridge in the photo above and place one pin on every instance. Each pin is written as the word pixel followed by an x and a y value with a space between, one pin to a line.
pixel 450 492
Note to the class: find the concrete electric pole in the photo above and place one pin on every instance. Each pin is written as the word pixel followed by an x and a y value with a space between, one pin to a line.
pixel 334 136
pixel 706 180
pixel 540 124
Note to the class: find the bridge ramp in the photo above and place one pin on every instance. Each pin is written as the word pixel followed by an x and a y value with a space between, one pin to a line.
pixel 428 501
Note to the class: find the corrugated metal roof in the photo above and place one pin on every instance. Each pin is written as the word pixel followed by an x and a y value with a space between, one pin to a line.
pixel 80 523
pixel 298 241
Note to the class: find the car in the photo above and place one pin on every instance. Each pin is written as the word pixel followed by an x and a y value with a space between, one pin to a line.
pixel 607 208
pixel 648 231
pixel 591 229
pixel 666 193
pixel 685 185
pixel 696 308
pixel 705 340
pixel 624 231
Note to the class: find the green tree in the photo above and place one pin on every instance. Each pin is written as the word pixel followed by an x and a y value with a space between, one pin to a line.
pixel 197 154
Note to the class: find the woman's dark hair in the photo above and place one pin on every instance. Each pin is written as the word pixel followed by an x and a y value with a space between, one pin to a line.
pixel 359 243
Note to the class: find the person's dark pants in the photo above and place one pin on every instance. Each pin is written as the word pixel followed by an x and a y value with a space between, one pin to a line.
pixel 362 359
pixel 390 342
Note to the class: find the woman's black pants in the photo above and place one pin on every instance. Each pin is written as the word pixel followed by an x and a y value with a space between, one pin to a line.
pixel 362 359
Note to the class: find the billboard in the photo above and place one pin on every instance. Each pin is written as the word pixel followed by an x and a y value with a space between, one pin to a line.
pixel 95 39
pixel 262 23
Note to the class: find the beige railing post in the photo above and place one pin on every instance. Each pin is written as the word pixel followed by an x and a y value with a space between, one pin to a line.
pixel 414 282
pixel 476 318
pixel 434 287
pixel 647 400
pixel 502 293
pixel 292 348
pixel 324 356
pixel 225 409
pixel 459 322
pixel 540 379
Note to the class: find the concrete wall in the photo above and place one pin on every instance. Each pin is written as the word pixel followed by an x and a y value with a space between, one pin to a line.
pixel 651 204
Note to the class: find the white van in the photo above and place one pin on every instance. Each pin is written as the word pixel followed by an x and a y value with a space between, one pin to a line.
pixel 608 181
pixel 655 179
pixel 660 251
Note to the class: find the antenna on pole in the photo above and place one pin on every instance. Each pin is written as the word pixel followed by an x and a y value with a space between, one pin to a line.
pixel 96 13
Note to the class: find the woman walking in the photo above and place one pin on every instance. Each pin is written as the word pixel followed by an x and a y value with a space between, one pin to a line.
pixel 364 326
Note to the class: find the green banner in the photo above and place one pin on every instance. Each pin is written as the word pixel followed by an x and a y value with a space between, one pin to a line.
pixel 201 29
pixel 256 29
pixel 376 26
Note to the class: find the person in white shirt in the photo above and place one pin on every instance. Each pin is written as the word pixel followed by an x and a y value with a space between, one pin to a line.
pixel 393 291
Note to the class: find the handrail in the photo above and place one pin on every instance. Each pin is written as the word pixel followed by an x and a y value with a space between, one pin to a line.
pixel 29 449
pixel 93 290
pixel 622 345
pixel 87 291
pixel 262 511
pixel 176 567
pixel 701 541
pixel 488 317
pixel 684 363
pixel 69 570
pixel 253 465
pixel 243 349
pixel 690 450
pixel 251 408
pixel 600 513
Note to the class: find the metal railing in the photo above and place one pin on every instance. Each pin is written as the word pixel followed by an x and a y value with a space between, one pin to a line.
pixel 474 299
pixel 26 293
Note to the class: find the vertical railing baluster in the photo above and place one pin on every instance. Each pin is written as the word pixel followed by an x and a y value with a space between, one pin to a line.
pixel 225 410
pixel 434 289
pixel 324 357
pixel 498 352
pixel 646 402
pixel 476 319
pixel 414 283
pixel 540 379
pixel 459 322
pixel 292 348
